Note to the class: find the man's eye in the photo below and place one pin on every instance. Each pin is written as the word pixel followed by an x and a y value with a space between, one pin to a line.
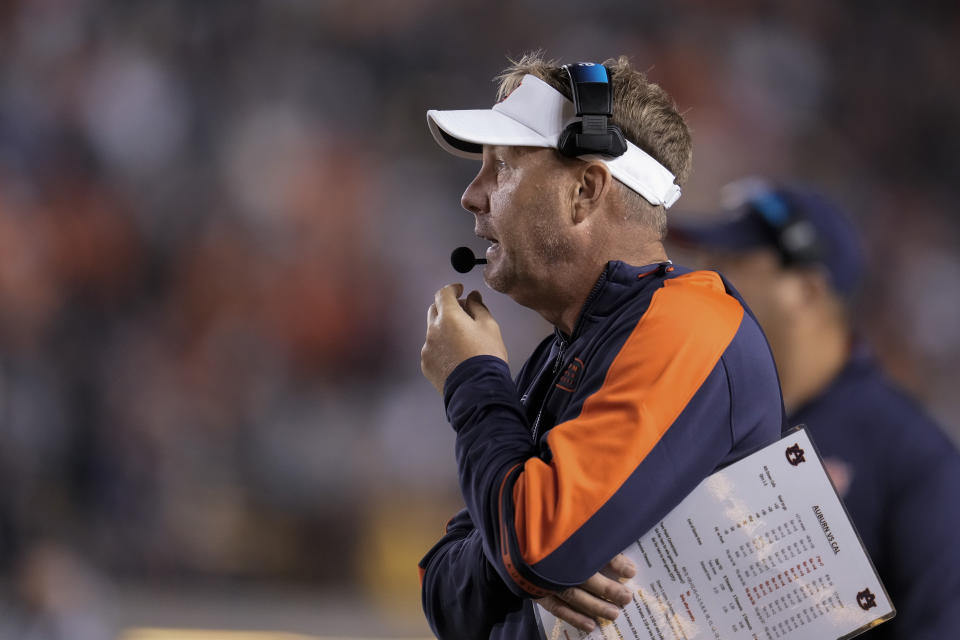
pixel 500 164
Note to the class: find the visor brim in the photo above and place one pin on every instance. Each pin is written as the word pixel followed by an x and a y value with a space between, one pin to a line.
pixel 464 132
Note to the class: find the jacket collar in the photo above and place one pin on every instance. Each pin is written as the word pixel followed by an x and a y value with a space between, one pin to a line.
pixel 618 282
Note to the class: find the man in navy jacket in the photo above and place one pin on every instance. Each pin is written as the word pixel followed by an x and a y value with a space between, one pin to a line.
pixel 797 259
pixel 654 377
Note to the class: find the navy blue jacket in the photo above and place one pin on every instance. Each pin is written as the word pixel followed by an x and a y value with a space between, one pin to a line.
pixel 665 378
pixel 904 481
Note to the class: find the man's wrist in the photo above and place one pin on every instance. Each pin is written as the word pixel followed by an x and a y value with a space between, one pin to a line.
pixel 469 371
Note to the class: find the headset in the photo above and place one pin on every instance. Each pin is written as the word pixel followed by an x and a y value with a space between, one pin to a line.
pixel 796 238
pixel 593 101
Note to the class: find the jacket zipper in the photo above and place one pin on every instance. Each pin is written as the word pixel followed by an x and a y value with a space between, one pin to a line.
pixel 558 362
pixel 556 365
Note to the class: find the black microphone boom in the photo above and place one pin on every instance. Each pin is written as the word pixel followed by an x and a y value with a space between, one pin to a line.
pixel 463 259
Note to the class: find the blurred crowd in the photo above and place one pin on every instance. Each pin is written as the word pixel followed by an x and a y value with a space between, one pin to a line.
pixel 221 223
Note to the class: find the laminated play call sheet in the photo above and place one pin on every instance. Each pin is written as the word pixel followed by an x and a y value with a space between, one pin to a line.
pixel 762 549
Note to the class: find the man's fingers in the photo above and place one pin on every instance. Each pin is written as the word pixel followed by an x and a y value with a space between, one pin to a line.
pixel 586 603
pixel 448 297
pixel 475 308
pixel 620 567
pixel 600 586
pixel 599 597
pixel 562 610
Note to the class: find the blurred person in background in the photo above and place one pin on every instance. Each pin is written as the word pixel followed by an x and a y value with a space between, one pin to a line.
pixel 623 410
pixel 798 261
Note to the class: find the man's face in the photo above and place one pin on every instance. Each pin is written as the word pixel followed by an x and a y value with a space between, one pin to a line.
pixel 754 273
pixel 520 203
pixel 771 291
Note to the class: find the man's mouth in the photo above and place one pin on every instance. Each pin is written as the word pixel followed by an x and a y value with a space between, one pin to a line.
pixel 494 247
pixel 493 241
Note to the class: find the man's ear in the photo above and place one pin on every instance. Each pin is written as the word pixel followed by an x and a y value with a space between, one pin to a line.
pixel 594 185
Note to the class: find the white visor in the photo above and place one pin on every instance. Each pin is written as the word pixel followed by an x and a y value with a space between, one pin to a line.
pixel 534 115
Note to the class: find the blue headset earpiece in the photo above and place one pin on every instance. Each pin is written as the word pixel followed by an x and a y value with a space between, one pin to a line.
pixel 593 101
pixel 796 238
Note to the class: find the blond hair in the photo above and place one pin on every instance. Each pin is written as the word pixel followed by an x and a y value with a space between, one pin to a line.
pixel 648 117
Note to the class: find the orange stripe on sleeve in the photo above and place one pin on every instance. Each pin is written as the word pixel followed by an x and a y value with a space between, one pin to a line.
pixel 667 357
pixel 526 585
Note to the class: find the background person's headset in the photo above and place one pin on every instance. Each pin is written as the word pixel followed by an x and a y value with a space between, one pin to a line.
pixel 593 101
pixel 795 236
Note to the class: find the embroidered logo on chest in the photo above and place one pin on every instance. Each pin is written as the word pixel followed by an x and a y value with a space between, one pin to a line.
pixel 568 381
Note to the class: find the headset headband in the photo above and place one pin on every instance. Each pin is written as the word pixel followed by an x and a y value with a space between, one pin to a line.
pixel 593 103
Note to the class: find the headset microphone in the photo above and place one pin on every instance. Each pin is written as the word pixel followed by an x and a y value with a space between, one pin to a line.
pixel 463 259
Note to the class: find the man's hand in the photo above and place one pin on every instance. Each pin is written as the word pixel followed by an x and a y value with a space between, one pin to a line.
pixel 457 330
pixel 601 596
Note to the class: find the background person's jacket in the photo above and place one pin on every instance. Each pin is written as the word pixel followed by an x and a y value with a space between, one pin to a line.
pixel 899 479
pixel 665 378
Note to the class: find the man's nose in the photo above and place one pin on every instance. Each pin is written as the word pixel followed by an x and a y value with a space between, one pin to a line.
pixel 474 198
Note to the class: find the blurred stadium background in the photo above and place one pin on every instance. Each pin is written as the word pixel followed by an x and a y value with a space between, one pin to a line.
pixel 221 222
